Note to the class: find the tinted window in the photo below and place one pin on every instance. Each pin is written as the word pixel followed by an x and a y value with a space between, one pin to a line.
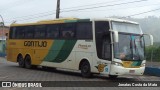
pixel 84 30
pixel 68 31
pixel 29 32
pixel 52 31
pixel 12 33
pixel 103 40
pixel 20 32
pixel 17 32
pixel 40 32
pixel 106 48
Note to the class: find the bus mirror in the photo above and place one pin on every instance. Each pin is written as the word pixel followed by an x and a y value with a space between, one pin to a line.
pixel 147 42
pixel 151 37
pixel 115 34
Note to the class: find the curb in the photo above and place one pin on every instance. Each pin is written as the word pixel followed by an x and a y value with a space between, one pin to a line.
pixel 152 71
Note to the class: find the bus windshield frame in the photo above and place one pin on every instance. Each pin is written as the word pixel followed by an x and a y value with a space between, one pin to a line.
pixel 131 44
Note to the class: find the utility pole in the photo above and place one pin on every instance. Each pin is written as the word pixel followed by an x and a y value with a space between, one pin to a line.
pixel 58 9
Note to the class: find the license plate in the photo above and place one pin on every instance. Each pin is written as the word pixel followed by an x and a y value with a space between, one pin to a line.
pixel 131 71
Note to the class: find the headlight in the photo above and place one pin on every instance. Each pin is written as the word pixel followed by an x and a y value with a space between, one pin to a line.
pixel 143 65
pixel 117 63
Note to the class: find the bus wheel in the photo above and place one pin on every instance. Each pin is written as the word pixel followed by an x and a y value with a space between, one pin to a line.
pixel 85 69
pixel 20 61
pixel 28 62
pixel 113 76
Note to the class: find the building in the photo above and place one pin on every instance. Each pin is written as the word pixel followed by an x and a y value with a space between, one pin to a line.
pixel 3 31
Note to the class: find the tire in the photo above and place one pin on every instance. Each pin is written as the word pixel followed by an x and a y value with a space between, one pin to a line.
pixel 20 61
pixel 85 69
pixel 113 76
pixel 28 62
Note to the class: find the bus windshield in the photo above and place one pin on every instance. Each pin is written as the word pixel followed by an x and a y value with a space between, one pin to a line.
pixel 131 42
pixel 126 27
pixel 130 47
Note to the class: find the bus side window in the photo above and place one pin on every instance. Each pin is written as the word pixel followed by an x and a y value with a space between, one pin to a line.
pixel 20 32
pixel 52 31
pixel 84 30
pixel 68 30
pixel 29 32
pixel 39 32
pixel 12 34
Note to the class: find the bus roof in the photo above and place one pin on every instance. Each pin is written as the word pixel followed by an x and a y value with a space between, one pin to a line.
pixel 66 20
pixel 113 19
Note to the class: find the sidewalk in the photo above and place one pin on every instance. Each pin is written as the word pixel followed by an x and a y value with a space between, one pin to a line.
pixel 2 58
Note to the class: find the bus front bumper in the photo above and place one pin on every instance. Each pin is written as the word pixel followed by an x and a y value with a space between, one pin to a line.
pixel 120 70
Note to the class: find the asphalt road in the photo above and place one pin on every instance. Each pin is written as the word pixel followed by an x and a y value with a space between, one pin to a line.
pixel 11 72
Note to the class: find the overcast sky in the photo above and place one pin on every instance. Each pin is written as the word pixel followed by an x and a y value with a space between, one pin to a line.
pixel 23 11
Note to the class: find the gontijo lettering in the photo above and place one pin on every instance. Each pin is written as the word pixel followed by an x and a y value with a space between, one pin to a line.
pixel 35 43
